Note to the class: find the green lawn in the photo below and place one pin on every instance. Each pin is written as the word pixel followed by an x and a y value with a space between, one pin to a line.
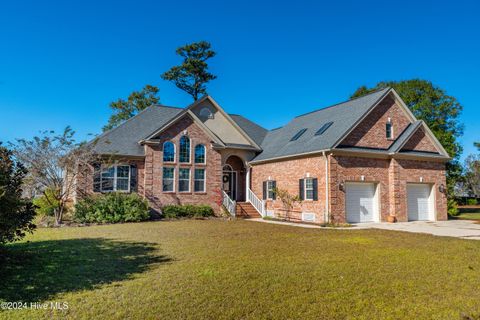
pixel 241 270
pixel 468 213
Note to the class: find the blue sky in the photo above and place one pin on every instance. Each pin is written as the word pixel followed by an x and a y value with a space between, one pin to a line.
pixel 61 63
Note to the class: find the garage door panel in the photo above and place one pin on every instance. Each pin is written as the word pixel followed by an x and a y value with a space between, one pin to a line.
pixel 419 204
pixel 360 205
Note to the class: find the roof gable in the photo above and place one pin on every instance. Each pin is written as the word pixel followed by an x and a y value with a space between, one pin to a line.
pixel 221 127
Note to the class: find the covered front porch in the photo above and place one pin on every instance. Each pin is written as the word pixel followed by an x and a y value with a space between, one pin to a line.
pixel 238 198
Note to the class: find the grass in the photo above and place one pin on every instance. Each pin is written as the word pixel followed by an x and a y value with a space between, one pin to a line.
pixel 215 269
pixel 469 213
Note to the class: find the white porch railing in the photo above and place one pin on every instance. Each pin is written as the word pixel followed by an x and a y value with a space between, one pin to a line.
pixel 256 202
pixel 229 204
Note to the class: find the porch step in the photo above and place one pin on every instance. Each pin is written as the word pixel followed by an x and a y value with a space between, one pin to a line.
pixel 246 210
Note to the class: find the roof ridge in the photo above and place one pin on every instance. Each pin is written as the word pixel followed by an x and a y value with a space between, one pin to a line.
pixel 163 106
pixel 337 104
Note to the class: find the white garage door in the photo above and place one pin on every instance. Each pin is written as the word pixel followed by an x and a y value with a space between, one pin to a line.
pixel 361 202
pixel 419 202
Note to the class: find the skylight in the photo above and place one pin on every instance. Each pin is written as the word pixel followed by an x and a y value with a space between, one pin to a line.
pixel 323 128
pixel 298 134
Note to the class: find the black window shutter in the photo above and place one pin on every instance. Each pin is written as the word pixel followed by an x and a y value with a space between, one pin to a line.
pixel 315 189
pixel 274 185
pixel 301 187
pixel 264 190
pixel 133 178
pixel 96 177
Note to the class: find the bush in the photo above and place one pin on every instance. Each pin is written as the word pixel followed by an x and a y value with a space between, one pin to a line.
pixel 452 208
pixel 112 208
pixel 472 202
pixel 46 204
pixel 187 211
pixel 16 213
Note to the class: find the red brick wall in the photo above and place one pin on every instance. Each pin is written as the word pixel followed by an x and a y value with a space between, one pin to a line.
pixel 350 169
pixel 392 177
pixel 287 174
pixel 432 173
pixel 371 131
pixel 420 142
pixel 154 169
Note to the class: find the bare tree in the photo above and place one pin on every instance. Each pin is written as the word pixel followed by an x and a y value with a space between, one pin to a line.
pixel 288 200
pixel 54 162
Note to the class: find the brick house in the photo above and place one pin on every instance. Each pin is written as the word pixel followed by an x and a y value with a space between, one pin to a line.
pixel 358 161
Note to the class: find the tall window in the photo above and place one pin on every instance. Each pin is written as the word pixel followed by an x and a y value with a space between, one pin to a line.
pixel 168 152
pixel 184 149
pixel 389 129
pixel 115 178
pixel 199 183
pixel 271 184
pixel 308 189
pixel 184 180
pixel 168 179
pixel 199 153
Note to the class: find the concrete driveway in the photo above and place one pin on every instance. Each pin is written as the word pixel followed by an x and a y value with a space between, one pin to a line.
pixel 465 229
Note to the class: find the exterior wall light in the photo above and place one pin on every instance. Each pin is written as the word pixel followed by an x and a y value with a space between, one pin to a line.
pixel 441 188
pixel 341 186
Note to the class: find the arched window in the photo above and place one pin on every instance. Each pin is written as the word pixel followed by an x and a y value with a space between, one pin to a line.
pixel 199 153
pixel 168 152
pixel 184 153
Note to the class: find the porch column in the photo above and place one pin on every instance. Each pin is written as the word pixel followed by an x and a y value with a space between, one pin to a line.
pixel 247 183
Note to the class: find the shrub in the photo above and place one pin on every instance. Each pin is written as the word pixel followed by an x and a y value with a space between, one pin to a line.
pixel 46 204
pixel 16 213
pixel 472 202
pixel 452 208
pixel 187 211
pixel 112 208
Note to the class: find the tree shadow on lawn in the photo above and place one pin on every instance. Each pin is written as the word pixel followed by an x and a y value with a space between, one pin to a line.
pixel 36 271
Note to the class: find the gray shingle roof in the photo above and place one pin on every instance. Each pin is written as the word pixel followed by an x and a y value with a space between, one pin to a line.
pixel 254 131
pixel 123 140
pixel 344 115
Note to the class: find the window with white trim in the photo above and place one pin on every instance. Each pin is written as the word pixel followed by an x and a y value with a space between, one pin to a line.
pixel 389 129
pixel 199 153
pixel 168 152
pixel 270 189
pixel 199 180
pixel 115 178
pixel 308 188
pixel 184 179
pixel 184 150
pixel 168 179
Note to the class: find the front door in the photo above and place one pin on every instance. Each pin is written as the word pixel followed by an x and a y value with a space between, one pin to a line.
pixel 230 183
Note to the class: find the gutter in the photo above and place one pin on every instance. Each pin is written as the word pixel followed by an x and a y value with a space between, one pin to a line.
pixel 291 156
pixel 326 217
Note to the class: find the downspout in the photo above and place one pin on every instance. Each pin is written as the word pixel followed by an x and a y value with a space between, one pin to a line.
pixel 326 218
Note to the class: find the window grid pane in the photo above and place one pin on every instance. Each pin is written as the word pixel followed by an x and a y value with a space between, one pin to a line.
pixel 115 178
pixel 309 189
pixel 199 185
pixel 183 180
pixel 168 174
pixel 200 153
pixel 168 152
pixel 270 189
pixel 184 149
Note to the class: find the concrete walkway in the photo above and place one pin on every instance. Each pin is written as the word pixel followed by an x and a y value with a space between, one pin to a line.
pixel 464 229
